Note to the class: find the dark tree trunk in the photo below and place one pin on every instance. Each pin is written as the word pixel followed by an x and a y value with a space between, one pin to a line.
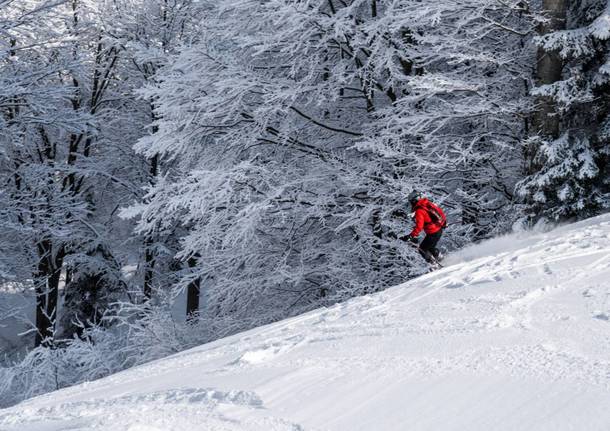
pixel 149 266
pixel 149 253
pixel 377 257
pixel 47 290
pixel 549 68
pixel 192 295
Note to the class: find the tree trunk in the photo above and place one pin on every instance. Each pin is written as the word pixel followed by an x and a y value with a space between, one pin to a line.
pixel 149 266
pixel 192 295
pixel 47 290
pixel 149 253
pixel 377 256
pixel 549 69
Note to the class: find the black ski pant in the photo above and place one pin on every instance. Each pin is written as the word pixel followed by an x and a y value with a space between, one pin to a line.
pixel 428 249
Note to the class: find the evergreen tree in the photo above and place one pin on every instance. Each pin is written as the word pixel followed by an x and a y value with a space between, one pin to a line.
pixel 567 151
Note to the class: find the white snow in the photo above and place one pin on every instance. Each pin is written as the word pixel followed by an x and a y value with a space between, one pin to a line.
pixel 514 334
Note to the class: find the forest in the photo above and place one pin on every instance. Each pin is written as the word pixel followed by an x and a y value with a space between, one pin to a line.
pixel 175 171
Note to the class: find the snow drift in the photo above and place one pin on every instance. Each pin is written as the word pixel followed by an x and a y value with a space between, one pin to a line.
pixel 513 335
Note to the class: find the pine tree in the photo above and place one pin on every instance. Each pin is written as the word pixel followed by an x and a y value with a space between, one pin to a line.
pixel 566 153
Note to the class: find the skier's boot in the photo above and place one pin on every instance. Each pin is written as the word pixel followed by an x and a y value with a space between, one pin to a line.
pixel 431 259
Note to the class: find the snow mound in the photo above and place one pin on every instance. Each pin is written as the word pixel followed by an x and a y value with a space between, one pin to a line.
pixel 514 334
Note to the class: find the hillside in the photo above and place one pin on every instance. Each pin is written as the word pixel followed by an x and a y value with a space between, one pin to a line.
pixel 514 334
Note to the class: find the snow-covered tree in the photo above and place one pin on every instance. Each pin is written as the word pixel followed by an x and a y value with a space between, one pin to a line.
pixel 67 162
pixel 35 107
pixel 568 147
pixel 297 129
pixel 156 30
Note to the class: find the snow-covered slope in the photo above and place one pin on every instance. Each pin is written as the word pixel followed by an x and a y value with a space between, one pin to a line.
pixel 513 335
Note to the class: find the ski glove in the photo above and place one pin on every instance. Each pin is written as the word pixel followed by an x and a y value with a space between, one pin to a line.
pixel 410 239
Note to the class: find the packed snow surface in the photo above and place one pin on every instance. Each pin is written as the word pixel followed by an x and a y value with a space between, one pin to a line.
pixel 514 334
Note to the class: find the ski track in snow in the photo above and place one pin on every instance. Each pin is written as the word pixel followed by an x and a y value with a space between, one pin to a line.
pixel 514 334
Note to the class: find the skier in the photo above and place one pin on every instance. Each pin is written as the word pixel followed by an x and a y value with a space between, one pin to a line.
pixel 431 219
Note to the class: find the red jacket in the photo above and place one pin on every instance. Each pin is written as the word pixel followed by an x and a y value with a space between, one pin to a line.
pixel 423 221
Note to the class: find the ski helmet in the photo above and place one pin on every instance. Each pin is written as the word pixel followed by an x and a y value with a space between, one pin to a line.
pixel 414 196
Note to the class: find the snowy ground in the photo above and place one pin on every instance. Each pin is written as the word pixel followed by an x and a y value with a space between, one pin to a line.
pixel 513 335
